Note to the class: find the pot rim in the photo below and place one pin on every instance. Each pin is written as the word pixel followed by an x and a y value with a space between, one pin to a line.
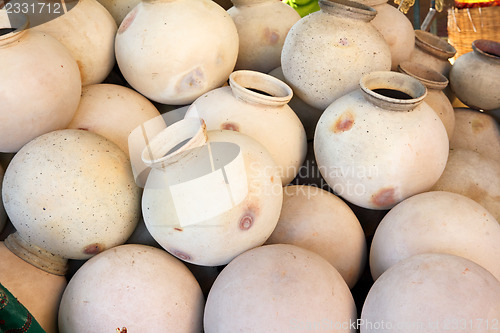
pixel 487 48
pixel 20 26
pixel 349 8
pixel 434 45
pixel 431 78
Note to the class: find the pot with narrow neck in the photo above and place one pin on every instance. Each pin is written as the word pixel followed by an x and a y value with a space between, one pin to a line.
pixel 381 143
pixel 432 51
pixel 327 52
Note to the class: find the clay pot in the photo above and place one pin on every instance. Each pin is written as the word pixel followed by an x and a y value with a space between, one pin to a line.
pixel 474 76
pixel 327 52
pixel 132 288
pixel 112 111
pixel 88 32
pixel 432 51
pixel 255 104
pixel 396 28
pixel 307 114
pixel 435 83
pixel 287 289
pixel 262 27
pixel 319 221
pixel 432 292
pixel 209 195
pixel 119 9
pixel 30 108
pixel 473 175
pixel 437 222
pixel 72 193
pixel 173 51
pixel 375 148
pixel 476 131
pixel 39 291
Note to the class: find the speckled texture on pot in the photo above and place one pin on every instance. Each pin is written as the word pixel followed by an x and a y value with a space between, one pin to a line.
pixel 72 193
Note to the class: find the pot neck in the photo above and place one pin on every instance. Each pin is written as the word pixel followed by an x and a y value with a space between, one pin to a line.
pixel 487 49
pixel 434 45
pixel 175 142
pixel 427 76
pixel 348 9
pixel 385 90
pixel 35 255
pixel 259 88
pixel 19 24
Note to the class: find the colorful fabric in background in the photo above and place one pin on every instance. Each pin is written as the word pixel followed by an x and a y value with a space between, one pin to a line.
pixel 14 317
pixel 303 7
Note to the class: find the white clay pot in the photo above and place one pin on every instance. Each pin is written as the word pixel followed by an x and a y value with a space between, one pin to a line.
pixel 29 108
pixel 255 104
pixel 435 83
pixel 432 292
pixel 262 27
pixel 209 195
pixel 88 32
pixel 438 222
pixel 173 51
pixel 376 149
pixel 132 288
pixel 285 286
pixel 319 221
pixel 474 76
pixel 396 28
pixel 327 52
pixel 112 111
pixel 72 193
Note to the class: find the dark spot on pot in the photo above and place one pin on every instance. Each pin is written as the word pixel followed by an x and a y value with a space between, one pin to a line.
pixel 181 255
pixel 478 126
pixel 272 37
pixel 127 21
pixel 230 126
pixel 179 229
pixel 384 197
pixel 83 129
pixel 343 123
pixel 248 218
pixel 93 249
pixel 192 80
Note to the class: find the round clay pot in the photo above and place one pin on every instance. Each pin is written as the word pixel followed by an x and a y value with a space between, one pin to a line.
pixel 278 288
pixel 376 146
pixel 432 292
pixel 435 83
pixel 209 195
pixel 474 76
pixel 432 51
pixel 262 27
pixel 88 32
pixel 327 52
pixel 317 220
pixel 72 193
pixel 173 51
pixel 396 28
pixel 438 222
pixel 112 111
pixel 255 104
pixel 132 288
pixel 30 108
pixel 119 9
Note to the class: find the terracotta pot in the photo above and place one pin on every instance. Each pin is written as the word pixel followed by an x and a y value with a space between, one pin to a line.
pixel 132 288
pixel 262 27
pixel 255 104
pixel 88 32
pixel 327 52
pixel 39 83
pixel 112 111
pixel 396 28
pixel 319 221
pixel 437 222
pixel 209 195
pixel 375 149
pixel 39 291
pixel 474 76
pixel 119 9
pixel 72 193
pixel 435 83
pixel 262 279
pixel 432 51
pixel 173 51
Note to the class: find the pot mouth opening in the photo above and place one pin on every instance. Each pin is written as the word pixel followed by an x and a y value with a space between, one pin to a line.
pixel 363 11
pixel 428 76
pixel 434 44
pixel 17 24
pixel 487 47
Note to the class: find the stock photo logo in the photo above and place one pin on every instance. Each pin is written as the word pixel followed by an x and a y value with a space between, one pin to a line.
pixel 13 13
